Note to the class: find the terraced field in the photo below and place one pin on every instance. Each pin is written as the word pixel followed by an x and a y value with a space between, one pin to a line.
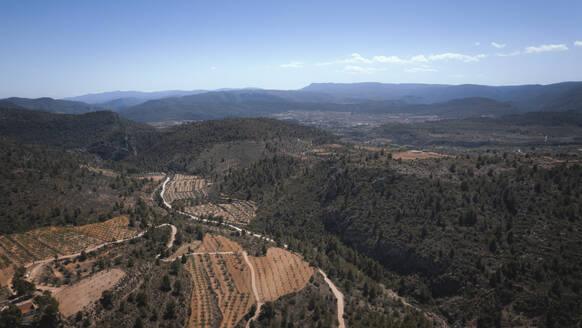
pixel 44 243
pixel 204 304
pixel 222 280
pixel 279 273
pixel 217 243
pixel 239 211
pixel 186 187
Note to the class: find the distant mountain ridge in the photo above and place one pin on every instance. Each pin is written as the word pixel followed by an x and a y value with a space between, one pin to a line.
pixel 446 101
pixel 526 97
pixel 49 105
pixel 103 97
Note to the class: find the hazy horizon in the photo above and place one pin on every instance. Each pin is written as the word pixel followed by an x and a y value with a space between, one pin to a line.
pixel 68 48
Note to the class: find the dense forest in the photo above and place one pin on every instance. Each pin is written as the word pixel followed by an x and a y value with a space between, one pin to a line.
pixel 498 230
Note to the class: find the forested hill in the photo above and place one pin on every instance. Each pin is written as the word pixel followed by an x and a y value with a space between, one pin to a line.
pixel 491 237
pixel 143 147
pixel 103 133
pixel 202 146
pixel 49 105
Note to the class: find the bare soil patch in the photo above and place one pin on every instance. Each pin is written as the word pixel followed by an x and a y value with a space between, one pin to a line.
pixel 72 299
pixel 416 154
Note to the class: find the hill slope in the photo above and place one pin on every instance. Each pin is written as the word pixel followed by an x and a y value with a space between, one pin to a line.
pixel 103 133
pixel 49 105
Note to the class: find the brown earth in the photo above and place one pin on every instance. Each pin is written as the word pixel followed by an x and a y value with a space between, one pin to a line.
pixel 416 154
pixel 72 299
pixel 280 272
pixel 222 282
pixel 44 243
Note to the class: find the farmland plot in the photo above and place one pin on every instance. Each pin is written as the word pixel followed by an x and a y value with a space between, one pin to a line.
pixel 238 212
pixel 280 272
pixel 222 292
pixel 110 230
pixel 204 305
pixel 216 243
pixel 45 243
pixel 73 298
pixel 186 187
pixel 234 294
pixel 67 240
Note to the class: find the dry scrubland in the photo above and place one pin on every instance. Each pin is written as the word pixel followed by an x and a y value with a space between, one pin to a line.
pixel 45 243
pixel 222 292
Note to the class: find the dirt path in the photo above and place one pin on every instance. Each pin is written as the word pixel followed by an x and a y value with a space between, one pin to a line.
pixel 428 314
pixel 168 205
pixel 340 300
pixel 155 189
pixel 172 233
pixel 255 292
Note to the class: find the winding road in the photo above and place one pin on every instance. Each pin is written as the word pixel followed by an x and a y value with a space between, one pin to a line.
pixel 255 292
pixel 340 300
pixel 339 296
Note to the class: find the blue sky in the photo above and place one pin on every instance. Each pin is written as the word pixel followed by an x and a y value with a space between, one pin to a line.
pixel 66 48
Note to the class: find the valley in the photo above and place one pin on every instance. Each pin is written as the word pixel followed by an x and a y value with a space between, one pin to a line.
pixel 263 223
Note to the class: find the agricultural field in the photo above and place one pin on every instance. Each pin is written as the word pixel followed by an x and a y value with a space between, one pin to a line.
pixel 223 294
pixel 216 243
pixel 186 187
pixel 73 298
pixel 238 211
pixel 45 243
pixel 279 273
pixel 222 289
pixel 110 230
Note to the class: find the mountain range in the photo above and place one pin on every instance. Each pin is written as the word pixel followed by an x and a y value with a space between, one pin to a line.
pixel 445 101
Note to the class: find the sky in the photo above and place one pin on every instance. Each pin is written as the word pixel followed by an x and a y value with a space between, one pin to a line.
pixel 68 48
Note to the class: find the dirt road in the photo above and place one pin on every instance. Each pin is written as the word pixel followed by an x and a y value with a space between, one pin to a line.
pixel 340 300
pixel 168 205
pixel 255 292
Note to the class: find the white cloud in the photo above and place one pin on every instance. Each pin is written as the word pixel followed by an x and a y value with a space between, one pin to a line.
pixel 546 47
pixel 578 43
pixel 498 45
pixel 357 58
pixel 420 69
pixel 213 68
pixel 419 59
pixel 360 69
pixel 354 58
pixel 389 59
pixel 477 43
pixel 455 56
pixel 515 53
pixel 293 64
